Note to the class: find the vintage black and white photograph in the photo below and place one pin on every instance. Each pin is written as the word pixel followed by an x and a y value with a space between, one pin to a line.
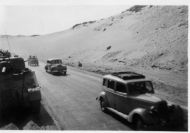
pixel 94 66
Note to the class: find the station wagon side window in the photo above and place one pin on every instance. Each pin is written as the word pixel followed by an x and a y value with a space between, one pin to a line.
pixel 110 84
pixel 104 82
pixel 121 88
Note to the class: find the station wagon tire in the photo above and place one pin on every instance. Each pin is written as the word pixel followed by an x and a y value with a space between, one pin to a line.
pixel 102 105
pixel 138 124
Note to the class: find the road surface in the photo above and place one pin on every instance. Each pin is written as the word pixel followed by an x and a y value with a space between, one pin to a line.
pixel 71 101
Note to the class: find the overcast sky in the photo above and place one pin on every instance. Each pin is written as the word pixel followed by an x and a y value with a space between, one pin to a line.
pixel 29 17
pixel 43 19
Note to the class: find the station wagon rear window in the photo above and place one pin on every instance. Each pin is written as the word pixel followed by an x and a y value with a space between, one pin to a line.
pixel 104 82
pixel 111 84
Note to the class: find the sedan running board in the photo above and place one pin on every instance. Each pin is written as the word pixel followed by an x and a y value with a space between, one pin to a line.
pixel 118 113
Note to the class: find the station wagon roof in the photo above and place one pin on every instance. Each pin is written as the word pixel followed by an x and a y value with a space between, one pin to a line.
pixel 123 81
pixel 53 59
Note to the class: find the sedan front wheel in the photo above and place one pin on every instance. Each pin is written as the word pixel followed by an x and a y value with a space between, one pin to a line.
pixel 138 124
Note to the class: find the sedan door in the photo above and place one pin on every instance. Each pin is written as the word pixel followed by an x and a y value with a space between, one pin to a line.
pixel 110 93
pixel 123 103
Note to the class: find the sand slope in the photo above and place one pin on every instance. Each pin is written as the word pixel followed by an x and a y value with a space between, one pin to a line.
pixel 154 36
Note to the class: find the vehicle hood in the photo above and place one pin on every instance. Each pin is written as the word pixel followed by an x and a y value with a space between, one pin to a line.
pixel 149 98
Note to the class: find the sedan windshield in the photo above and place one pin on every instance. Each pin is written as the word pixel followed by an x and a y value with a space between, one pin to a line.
pixel 136 88
pixel 56 62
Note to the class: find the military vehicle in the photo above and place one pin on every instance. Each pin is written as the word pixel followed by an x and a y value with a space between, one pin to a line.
pixel 18 86
pixel 33 61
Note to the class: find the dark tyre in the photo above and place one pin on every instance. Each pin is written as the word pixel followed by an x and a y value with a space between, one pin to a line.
pixel 102 105
pixel 138 124
pixel 1 114
pixel 35 107
pixel 46 68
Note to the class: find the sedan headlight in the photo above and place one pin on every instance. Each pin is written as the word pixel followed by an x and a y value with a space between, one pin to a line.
pixel 152 110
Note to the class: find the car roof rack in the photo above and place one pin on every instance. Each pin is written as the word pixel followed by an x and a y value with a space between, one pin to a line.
pixel 128 75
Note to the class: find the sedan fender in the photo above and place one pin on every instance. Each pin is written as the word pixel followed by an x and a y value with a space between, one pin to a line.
pixel 101 95
pixel 179 115
pixel 142 113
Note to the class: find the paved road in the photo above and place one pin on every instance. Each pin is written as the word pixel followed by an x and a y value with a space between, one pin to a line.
pixel 71 101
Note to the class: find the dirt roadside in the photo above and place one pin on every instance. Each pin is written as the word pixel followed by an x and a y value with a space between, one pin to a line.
pixel 168 85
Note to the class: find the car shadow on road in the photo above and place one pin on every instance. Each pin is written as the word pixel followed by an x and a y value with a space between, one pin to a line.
pixel 130 125
pixel 20 118
pixel 120 119
pixel 59 74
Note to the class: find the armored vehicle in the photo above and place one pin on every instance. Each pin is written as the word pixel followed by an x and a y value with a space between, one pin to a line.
pixel 55 66
pixel 18 86
pixel 131 96
pixel 33 61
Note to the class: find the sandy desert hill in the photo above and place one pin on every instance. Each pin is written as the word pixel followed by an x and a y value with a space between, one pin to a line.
pixel 147 36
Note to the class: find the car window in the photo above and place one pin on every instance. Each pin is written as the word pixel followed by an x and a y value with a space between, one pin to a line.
pixel 104 82
pixel 111 84
pixel 140 88
pixel 120 87
pixel 57 62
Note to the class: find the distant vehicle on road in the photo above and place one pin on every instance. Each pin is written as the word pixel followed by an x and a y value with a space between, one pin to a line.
pixel 18 86
pixel 33 61
pixel 55 66
pixel 79 64
pixel 131 96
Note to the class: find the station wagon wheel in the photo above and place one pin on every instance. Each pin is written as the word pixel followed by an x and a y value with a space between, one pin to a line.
pixel 102 105
pixel 138 124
